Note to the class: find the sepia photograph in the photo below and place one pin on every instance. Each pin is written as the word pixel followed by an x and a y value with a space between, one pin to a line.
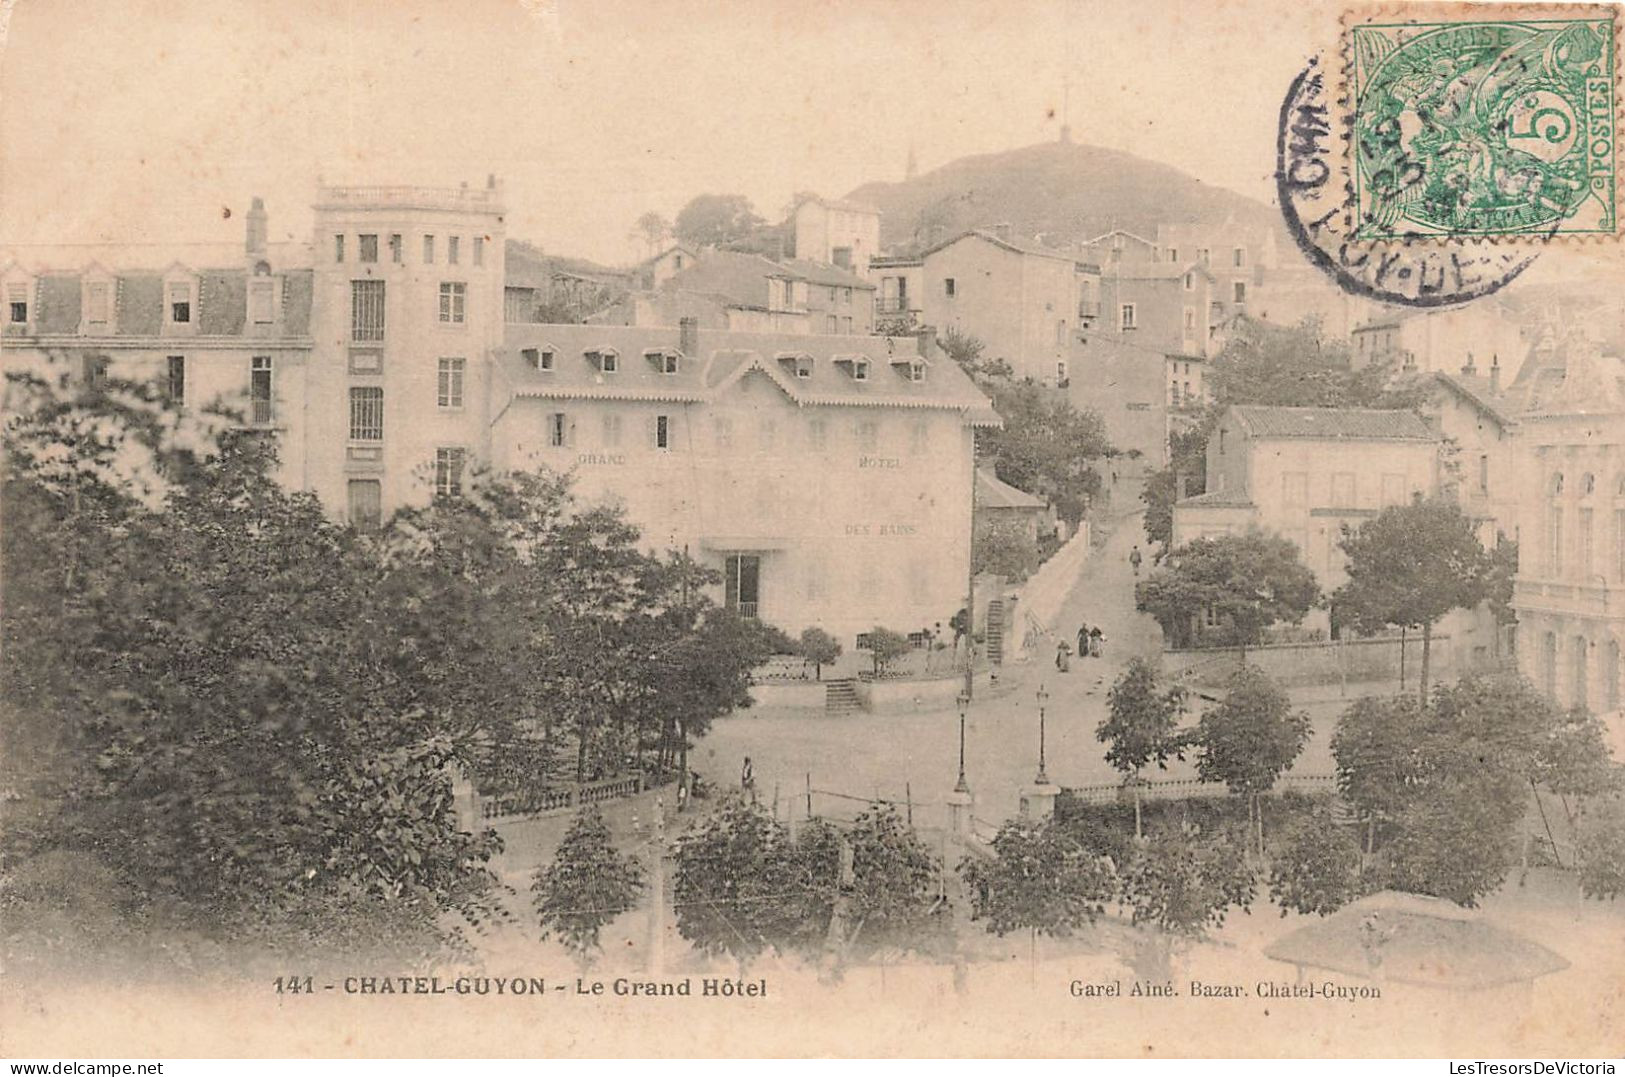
pixel 752 529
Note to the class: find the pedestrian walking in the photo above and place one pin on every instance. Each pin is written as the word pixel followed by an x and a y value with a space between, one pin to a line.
pixel 1097 639
pixel 747 779
pixel 1083 641
pixel 1134 559
pixel 1063 655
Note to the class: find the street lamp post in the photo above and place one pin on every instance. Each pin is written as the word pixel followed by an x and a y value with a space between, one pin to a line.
pixel 1041 778
pixel 959 801
pixel 962 786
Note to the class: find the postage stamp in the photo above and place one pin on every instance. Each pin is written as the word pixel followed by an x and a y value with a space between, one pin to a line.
pixel 1483 121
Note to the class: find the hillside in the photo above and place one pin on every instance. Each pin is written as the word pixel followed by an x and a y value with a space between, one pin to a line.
pixel 1061 192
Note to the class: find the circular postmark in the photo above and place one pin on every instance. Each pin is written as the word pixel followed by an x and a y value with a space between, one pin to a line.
pixel 1321 207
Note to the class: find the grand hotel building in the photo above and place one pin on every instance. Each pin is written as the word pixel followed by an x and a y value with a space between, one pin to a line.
pixel 827 477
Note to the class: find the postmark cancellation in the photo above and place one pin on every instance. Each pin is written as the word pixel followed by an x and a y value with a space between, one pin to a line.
pixel 1495 122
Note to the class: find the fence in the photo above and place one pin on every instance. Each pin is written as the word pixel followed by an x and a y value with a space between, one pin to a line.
pixel 1317 662
pixel 534 802
pixel 1193 788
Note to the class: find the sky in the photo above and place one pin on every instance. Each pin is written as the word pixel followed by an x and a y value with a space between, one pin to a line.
pixel 142 121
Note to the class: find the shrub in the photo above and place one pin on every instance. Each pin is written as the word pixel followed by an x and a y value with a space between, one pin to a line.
pixel 885 648
pixel 1316 868
pixel 820 648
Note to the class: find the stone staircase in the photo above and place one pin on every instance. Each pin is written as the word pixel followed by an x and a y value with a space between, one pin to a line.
pixel 841 697
pixel 994 637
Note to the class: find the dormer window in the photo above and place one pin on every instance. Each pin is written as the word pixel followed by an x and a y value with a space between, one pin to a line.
pixel 860 370
pixel 916 371
pixel 539 358
pixel 98 303
pixel 804 366
pixel 607 360
pixel 17 303
pixel 666 362
pixel 179 305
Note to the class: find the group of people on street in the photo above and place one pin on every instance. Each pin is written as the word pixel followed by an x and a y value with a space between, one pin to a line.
pixel 1090 644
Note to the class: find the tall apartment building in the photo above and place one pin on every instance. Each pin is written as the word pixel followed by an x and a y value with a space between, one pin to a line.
pixel 829 476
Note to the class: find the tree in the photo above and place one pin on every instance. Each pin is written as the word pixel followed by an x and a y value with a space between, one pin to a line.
pixel 223 665
pixel 1249 739
pixel 1600 845
pixel 652 230
pixel 1039 878
pixel 587 885
pixel 820 648
pixel 894 880
pixel 1412 565
pixel 1141 725
pixel 1248 581
pixel 1317 867
pixel 733 874
pixel 1446 783
pixel 1187 452
pixel 968 351
pixel 1045 446
pixel 1297 366
pixel 886 647
pixel 1181 882
pixel 1005 548
pixel 1380 757
pixel 716 220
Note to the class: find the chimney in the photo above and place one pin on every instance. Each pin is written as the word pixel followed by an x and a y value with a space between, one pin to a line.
pixel 688 336
pixel 1002 230
pixel 1468 368
pixel 257 228
pixel 1495 373
pixel 926 343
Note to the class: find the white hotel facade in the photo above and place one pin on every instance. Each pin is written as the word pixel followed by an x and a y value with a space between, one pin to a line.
pixel 828 477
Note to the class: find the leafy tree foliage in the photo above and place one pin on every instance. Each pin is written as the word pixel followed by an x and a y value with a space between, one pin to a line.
pixel 735 880
pixel 1601 847
pixel 587 885
pixel 250 712
pixel 222 669
pixel 1182 882
pixel 1141 725
pixel 1249 739
pixel 743 886
pixel 651 229
pixel 1316 868
pixel 1046 446
pixel 1250 581
pixel 820 648
pixel 1187 456
pixel 1412 565
pixel 1039 878
pixel 716 220
pixel 886 647
pixel 1296 366
pixel 1445 784
pixel 1005 548
pixel 970 353
pixel 894 880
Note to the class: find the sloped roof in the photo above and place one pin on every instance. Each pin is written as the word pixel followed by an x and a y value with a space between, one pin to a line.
pixel 994 493
pixel 1417 940
pixel 819 273
pixel 840 203
pixel 998 241
pixel 740 278
pixel 1477 391
pixel 723 357
pixel 1332 423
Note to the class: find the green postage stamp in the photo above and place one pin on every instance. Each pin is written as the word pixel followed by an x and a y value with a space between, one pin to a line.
pixel 1484 120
